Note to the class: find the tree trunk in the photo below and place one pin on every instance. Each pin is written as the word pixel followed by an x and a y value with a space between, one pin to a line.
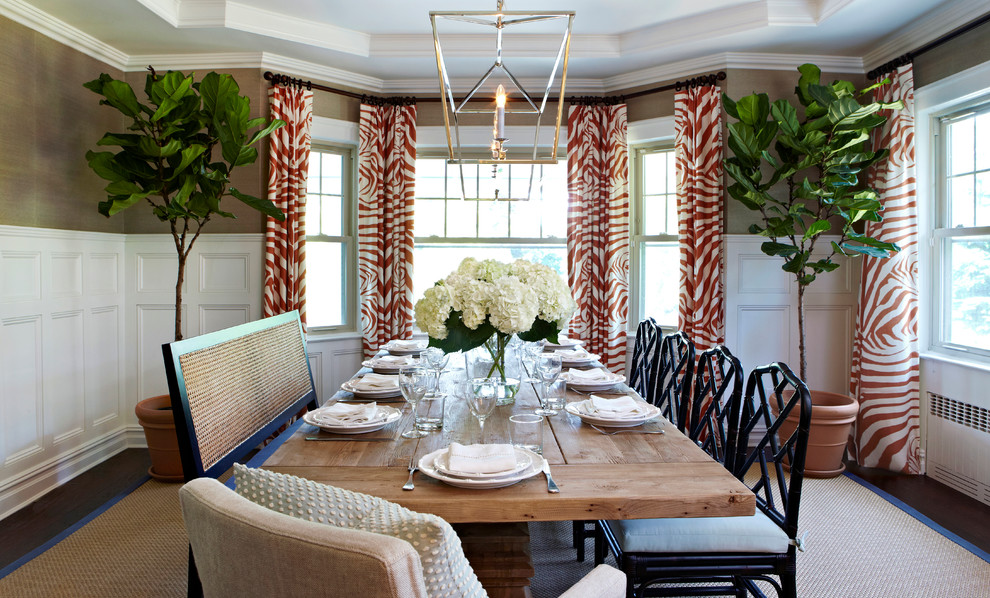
pixel 178 294
pixel 801 348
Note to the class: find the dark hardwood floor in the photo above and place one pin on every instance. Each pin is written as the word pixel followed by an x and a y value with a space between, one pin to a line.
pixel 59 509
pixel 40 521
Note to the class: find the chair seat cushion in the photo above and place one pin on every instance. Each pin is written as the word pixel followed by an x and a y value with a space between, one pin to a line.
pixel 446 570
pixel 756 533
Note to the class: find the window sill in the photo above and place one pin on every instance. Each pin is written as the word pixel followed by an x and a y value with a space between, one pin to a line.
pixel 971 362
pixel 319 336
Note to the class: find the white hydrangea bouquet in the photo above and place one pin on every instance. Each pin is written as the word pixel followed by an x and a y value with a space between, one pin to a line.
pixel 486 302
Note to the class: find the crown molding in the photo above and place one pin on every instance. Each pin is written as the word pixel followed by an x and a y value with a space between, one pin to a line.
pixel 933 24
pixel 178 62
pixel 827 8
pixel 276 25
pixel 744 17
pixel 62 32
pixel 792 13
pixel 730 60
pixel 321 72
pixel 474 46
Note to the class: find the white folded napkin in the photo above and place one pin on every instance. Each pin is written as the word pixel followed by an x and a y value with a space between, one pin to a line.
pixel 571 354
pixel 345 414
pixel 481 458
pixel 563 341
pixel 617 407
pixel 593 375
pixel 394 359
pixel 409 344
pixel 376 382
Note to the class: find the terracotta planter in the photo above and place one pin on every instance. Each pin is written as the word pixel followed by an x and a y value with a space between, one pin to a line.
pixel 832 417
pixel 155 416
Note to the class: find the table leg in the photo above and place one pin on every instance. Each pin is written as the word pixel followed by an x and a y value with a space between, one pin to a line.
pixel 500 555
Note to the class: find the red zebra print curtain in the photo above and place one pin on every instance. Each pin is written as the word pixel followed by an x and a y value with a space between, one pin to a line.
pixel 698 155
pixel 386 175
pixel 598 229
pixel 885 348
pixel 288 168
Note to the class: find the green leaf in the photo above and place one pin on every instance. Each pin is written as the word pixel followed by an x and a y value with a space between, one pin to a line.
pixel 786 117
pixel 541 329
pixel 247 156
pixel 824 265
pixel 730 106
pixel 123 204
pixel 105 166
pixel 262 205
pixel 120 95
pixel 865 250
pixel 460 337
pixel 810 75
pixel 122 188
pixel 216 90
pixel 796 263
pixel 189 154
pixel 275 124
pixel 123 140
pixel 781 249
pixel 149 148
pixel 754 109
pixel 816 228
pixel 745 144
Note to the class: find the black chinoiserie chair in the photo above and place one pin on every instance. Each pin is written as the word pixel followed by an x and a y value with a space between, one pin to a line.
pixel 645 353
pixel 231 390
pixel 718 387
pixel 670 387
pixel 729 554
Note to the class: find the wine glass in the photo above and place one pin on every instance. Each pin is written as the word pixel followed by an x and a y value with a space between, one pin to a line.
pixel 437 360
pixel 414 382
pixel 528 358
pixel 548 367
pixel 481 395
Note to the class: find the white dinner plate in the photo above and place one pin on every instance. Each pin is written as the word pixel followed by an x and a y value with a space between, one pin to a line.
pixel 385 393
pixel 570 361
pixel 385 367
pixel 648 412
pixel 611 379
pixel 386 415
pixel 565 343
pixel 427 464
pixel 442 464
pixel 393 349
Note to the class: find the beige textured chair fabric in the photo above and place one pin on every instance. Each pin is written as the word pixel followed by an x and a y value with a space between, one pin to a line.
pixel 603 582
pixel 446 571
pixel 244 550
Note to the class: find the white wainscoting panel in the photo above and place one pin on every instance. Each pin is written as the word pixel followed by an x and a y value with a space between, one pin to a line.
pixel 61 377
pixel 222 287
pixel 333 360
pixel 761 313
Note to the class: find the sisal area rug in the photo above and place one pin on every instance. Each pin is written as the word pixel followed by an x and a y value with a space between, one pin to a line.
pixel 859 545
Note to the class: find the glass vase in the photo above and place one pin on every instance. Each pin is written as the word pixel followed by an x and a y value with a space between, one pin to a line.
pixel 498 347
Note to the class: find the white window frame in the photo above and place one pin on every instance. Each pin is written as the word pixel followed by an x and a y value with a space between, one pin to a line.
pixel 637 238
pixel 942 233
pixel 349 298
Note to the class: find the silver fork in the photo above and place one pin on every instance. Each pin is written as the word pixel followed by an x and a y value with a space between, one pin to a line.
pixel 614 432
pixel 413 468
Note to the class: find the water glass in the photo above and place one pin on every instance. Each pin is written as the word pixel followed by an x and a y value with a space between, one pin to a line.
pixel 429 411
pixel 526 431
pixel 553 399
pixel 436 359
pixel 414 383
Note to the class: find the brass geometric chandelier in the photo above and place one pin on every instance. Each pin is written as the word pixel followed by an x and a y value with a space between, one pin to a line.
pixel 502 94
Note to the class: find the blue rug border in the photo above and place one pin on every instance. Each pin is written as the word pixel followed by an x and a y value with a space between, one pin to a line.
pixel 925 519
pixel 71 529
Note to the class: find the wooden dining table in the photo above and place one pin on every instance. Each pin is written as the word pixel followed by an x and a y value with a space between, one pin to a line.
pixel 622 476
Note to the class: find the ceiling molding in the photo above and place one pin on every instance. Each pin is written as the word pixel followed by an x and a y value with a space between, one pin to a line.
pixel 321 72
pixel 730 60
pixel 538 46
pixel 934 24
pixel 276 25
pixel 792 13
pixel 62 32
pixel 180 62
pixel 736 19
pixel 827 8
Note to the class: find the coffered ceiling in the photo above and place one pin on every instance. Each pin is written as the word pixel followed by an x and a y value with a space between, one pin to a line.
pixel 386 45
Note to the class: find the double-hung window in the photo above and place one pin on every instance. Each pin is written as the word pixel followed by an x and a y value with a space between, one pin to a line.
pixel 656 276
pixel 449 228
pixel 962 231
pixel 330 253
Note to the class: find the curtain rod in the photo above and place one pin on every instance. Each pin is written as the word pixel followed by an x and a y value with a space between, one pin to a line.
pixel 710 79
pixel 908 57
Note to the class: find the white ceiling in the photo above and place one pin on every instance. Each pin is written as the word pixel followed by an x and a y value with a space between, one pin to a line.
pixel 386 45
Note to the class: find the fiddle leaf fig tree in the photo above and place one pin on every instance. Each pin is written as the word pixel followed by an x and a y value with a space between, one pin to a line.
pixel 806 175
pixel 177 154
